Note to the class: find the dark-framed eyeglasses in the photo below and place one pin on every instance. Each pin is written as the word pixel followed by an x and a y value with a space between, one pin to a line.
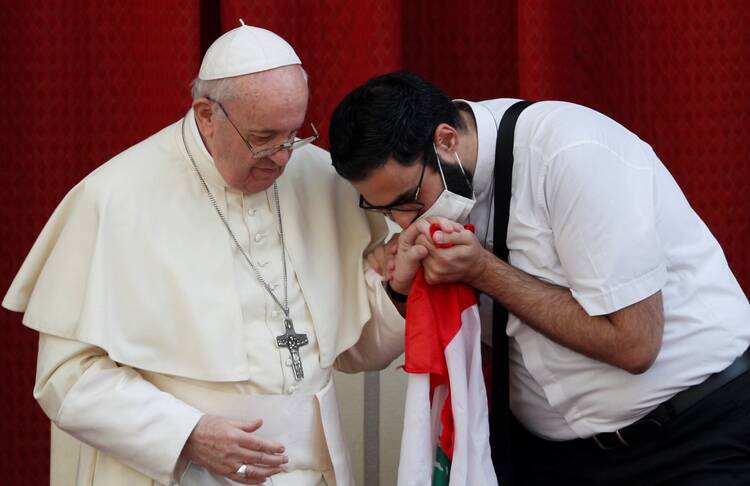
pixel 259 153
pixel 410 206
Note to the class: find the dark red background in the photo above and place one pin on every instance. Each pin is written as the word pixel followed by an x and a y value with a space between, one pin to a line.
pixel 82 80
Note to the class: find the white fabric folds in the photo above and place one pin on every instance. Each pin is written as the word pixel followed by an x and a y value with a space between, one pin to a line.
pixel 135 261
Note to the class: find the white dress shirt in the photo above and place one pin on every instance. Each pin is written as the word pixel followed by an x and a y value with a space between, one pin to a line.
pixel 593 209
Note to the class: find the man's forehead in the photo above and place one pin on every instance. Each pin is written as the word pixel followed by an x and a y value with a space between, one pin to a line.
pixel 385 183
pixel 397 170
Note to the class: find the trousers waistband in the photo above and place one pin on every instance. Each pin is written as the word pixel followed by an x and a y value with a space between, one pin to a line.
pixel 649 425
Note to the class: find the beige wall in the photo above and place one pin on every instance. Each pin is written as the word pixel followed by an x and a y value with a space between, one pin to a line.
pixel 373 467
pixel 381 417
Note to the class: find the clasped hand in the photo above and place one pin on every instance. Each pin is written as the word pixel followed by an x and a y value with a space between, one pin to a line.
pixel 398 260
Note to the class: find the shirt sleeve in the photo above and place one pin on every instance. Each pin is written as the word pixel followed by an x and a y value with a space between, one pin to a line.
pixel 601 207
pixel 382 338
pixel 112 408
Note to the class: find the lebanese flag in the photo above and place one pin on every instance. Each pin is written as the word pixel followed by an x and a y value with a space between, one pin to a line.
pixel 446 430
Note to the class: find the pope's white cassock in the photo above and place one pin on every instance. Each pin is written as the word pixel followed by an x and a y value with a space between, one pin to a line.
pixel 149 317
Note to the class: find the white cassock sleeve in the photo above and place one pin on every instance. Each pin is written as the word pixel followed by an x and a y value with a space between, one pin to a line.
pixel 112 408
pixel 382 338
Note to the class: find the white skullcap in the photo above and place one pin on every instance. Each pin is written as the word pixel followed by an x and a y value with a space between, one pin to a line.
pixel 246 50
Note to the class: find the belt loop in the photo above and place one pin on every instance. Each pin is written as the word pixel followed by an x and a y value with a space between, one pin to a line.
pixel 622 441
pixel 671 409
pixel 599 443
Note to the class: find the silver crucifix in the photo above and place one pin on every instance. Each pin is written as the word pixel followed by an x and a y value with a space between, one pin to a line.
pixel 292 341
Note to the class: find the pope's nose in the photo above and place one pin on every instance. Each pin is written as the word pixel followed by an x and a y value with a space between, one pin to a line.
pixel 281 157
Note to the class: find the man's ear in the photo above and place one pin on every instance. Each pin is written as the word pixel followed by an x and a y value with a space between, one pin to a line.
pixel 205 117
pixel 446 138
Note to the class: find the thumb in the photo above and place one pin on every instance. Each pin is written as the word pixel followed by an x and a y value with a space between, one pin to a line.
pixel 412 232
pixel 462 237
pixel 445 224
pixel 417 253
pixel 251 426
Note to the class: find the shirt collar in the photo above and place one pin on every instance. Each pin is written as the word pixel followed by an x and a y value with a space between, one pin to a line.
pixel 486 140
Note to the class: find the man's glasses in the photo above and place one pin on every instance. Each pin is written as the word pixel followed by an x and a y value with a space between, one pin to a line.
pixel 411 205
pixel 259 153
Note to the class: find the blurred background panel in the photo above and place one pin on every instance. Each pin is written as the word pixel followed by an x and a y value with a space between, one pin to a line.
pixel 82 80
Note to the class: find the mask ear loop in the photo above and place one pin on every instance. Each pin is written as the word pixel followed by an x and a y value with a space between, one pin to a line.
pixel 440 167
pixel 461 166
pixel 466 178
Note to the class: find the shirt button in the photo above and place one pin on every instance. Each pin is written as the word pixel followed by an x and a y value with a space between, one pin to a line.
pixel 275 313
pixel 261 264
pixel 289 361
pixel 259 237
pixel 291 389
pixel 252 211
pixel 274 286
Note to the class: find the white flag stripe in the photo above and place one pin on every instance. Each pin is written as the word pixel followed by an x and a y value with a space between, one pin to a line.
pixel 472 461
pixel 415 464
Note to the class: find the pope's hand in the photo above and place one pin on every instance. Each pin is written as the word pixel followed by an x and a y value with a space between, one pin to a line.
pixel 222 446
pixel 383 258
pixel 463 262
pixel 410 253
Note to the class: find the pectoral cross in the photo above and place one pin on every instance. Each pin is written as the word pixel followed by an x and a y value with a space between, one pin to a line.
pixel 292 341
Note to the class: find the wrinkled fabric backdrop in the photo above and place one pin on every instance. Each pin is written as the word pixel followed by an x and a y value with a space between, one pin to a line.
pixel 83 80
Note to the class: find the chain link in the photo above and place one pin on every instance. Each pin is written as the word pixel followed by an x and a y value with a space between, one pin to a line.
pixel 285 306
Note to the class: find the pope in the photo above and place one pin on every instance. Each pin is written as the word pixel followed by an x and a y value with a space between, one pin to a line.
pixel 194 294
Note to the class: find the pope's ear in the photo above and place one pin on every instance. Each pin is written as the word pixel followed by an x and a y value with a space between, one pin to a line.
pixel 204 116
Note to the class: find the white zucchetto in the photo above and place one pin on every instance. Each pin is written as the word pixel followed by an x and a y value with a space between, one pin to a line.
pixel 246 50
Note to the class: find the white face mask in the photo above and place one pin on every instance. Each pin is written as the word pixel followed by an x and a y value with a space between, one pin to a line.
pixel 450 205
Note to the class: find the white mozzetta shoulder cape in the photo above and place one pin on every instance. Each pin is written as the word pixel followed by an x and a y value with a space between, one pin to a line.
pixel 136 261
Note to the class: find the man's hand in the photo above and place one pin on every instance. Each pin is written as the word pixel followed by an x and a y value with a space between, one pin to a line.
pixel 412 250
pixel 464 261
pixel 629 338
pixel 222 446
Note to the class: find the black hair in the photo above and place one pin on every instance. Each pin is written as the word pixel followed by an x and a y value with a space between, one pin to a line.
pixel 393 115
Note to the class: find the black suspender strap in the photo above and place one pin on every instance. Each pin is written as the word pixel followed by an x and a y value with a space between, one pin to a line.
pixel 500 405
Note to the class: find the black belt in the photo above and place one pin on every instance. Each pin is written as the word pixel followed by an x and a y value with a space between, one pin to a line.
pixel 648 426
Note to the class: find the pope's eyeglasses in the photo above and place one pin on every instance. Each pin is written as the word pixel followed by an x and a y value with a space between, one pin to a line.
pixel 259 153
